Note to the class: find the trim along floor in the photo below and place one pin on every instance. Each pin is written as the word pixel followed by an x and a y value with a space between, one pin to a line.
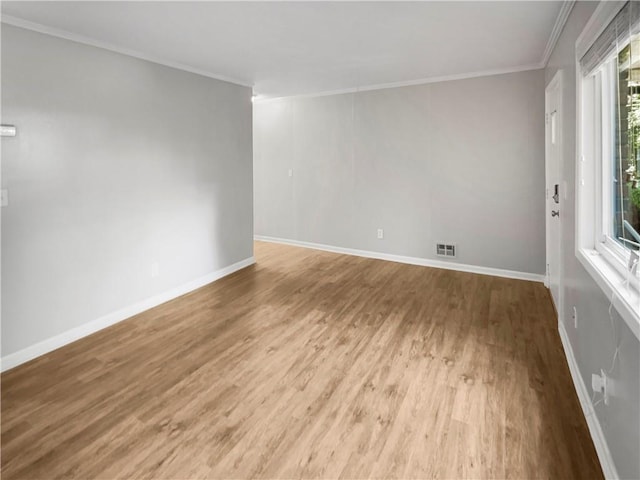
pixel 309 364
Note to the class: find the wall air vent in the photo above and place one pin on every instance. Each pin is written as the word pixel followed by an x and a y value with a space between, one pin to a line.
pixel 446 250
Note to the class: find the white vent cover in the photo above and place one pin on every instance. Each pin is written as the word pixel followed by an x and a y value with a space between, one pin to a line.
pixel 446 250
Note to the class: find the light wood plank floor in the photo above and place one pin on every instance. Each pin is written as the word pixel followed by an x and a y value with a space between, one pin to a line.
pixel 315 365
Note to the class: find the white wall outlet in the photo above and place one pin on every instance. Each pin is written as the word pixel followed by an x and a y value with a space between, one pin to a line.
pixel 605 386
pixel 601 384
pixel 380 233
pixel 7 130
pixel 155 270
pixel 575 317
pixel 4 197
pixel 291 172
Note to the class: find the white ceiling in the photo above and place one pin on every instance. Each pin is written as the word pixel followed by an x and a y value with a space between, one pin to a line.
pixel 293 48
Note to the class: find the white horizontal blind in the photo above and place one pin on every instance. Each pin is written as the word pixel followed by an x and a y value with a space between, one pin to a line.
pixel 616 34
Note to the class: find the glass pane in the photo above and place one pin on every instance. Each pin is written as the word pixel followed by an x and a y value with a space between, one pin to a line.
pixel 626 177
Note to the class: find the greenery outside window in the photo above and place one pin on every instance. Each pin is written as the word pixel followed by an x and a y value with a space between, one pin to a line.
pixel 625 175
pixel 608 163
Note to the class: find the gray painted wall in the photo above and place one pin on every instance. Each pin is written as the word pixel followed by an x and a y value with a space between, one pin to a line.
pixel 118 163
pixel 459 161
pixel 593 342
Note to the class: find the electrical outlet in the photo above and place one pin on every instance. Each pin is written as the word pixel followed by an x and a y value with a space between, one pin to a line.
pixel 605 386
pixel 155 270
pixel 291 172
pixel 575 317
pixel 601 384
pixel 380 233
pixel 7 130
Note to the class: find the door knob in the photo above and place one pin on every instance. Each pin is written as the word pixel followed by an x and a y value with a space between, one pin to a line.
pixel 555 213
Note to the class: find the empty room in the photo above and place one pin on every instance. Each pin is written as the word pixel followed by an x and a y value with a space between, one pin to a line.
pixel 320 240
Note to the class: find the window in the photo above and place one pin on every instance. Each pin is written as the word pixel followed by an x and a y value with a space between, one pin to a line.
pixel 608 236
pixel 617 103
pixel 625 177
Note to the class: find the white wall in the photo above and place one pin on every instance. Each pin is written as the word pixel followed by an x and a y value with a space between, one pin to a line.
pixel 459 161
pixel 594 341
pixel 118 163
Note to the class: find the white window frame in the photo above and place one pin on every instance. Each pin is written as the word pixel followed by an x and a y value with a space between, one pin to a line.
pixel 602 256
pixel 605 244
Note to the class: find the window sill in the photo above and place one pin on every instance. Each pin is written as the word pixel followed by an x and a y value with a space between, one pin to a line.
pixel 626 300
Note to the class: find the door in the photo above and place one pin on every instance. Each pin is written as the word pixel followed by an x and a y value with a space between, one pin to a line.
pixel 555 194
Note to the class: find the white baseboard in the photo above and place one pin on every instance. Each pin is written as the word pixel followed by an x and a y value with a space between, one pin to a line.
pixel 14 359
pixel 496 272
pixel 599 440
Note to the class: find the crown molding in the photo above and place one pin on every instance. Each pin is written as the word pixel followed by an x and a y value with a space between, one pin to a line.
pixel 561 20
pixel 409 83
pixel 56 32
pixel 60 33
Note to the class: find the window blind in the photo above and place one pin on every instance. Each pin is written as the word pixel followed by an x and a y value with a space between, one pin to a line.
pixel 614 36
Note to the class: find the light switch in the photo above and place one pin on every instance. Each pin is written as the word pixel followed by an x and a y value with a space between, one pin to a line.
pixel 4 200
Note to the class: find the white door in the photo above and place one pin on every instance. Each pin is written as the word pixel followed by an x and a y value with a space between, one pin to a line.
pixel 554 187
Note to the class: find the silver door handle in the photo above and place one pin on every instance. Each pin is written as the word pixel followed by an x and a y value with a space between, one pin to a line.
pixel 555 213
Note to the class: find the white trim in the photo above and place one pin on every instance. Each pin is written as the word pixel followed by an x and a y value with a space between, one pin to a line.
pixel 14 359
pixel 424 262
pixel 615 254
pixel 546 281
pixel 409 83
pixel 74 37
pixel 597 435
pixel 610 281
pixel 561 21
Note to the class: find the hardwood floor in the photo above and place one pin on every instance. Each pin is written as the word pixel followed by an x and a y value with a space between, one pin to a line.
pixel 309 364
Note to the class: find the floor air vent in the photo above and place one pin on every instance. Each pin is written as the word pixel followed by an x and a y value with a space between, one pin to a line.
pixel 445 250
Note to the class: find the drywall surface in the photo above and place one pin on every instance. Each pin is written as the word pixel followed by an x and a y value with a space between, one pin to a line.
pixel 126 179
pixel 459 162
pixel 594 341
